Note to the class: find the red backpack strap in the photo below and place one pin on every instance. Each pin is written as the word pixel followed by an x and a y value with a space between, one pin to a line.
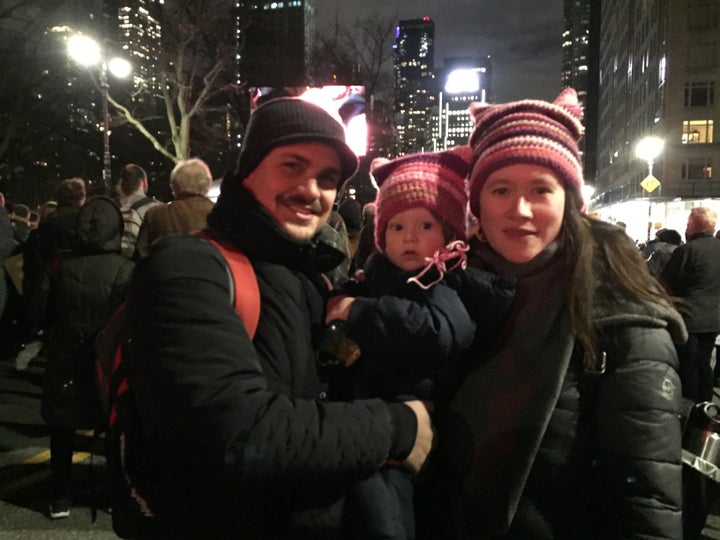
pixel 247 292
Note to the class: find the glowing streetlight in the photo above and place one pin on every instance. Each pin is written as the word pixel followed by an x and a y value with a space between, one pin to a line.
pixel 88 53
pixel 647 149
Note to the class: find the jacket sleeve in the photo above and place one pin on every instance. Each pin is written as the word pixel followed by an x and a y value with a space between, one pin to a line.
pixel 639 438
pixel 205 402
pixel 436 329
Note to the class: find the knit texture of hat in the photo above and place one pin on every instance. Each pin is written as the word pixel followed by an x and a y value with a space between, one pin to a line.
pixel 432 180
pixel 284 121
pixel 528 131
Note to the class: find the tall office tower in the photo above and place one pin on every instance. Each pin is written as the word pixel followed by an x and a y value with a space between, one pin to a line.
pixel 274 40
pixel 415 91
pixel 659 68
pixel 462 81
pixel 580 52
pixel 136 27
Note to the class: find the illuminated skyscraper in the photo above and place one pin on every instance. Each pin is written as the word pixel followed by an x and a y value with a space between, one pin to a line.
pixel 135 25
pixel 274 41
pixel 580 56
pixel 415 93
pixel 462 81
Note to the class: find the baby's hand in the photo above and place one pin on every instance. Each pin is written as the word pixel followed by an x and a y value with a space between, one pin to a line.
pixel 338 308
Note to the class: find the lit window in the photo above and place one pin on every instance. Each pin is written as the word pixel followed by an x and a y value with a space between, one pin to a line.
pixel 697 132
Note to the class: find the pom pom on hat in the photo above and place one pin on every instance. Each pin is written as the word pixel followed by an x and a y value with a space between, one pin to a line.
pixel 527 131
pixel 432 180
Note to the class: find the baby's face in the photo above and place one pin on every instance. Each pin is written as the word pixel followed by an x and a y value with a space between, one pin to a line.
pixel 411 236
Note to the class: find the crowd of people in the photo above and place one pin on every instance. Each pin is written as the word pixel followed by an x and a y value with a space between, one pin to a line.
pixel 469 356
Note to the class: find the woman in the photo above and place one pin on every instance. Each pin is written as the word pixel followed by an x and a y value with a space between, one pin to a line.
pixel 569 428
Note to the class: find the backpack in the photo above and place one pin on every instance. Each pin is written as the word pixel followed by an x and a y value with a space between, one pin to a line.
pixel 131 223
pixel 131 511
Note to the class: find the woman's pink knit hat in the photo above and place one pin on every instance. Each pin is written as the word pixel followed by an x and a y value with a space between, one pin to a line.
pixel 527 131
pixel 432 180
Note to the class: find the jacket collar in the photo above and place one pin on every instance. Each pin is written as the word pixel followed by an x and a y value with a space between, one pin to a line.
pixel 238 218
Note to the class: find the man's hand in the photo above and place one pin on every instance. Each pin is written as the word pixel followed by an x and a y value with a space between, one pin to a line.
pixel 423 439
pixel 338 308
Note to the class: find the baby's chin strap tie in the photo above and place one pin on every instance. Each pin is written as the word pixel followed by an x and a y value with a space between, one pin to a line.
pixel 455 251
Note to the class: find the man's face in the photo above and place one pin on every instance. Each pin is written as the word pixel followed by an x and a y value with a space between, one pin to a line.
pixel 297 185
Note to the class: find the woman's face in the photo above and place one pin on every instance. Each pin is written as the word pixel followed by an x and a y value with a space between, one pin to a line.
pixel 521 210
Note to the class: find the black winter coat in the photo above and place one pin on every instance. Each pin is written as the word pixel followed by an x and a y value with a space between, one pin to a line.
pixel 608 463
pixel 90 283
pixel 693 274
pixel 412 339
pixel 239 440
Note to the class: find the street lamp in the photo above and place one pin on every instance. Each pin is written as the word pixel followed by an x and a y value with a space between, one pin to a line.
pixel 87 52
pixel 647 149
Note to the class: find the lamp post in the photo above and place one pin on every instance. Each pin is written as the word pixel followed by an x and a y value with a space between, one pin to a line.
pixel 87 52
pixel 647 149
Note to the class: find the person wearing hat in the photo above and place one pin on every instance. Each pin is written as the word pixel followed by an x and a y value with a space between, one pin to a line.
pixel 571 428
pixel 408 316
pixel 240 440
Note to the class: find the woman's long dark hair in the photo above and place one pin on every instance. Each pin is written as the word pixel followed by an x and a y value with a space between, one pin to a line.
pixel 604 263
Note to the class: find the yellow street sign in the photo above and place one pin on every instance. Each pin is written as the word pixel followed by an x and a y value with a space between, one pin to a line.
pixel 650 183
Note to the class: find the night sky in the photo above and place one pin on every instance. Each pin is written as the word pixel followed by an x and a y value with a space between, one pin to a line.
pixel 523 37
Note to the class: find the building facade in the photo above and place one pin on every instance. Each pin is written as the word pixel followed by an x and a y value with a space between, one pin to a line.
pixel 415 90
pixel 580 54
pixel 462 81
pixel 136 27
pixel 274 40
pixel 659 68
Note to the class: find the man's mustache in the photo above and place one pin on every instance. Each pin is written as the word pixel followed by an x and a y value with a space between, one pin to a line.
pixel 314 206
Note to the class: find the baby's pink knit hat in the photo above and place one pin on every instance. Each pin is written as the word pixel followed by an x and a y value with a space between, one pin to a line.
pixel 432 180
pixel 528 131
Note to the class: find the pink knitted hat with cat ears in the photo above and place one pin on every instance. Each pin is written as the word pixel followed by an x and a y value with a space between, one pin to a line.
pixel 432 180
pixel 528 131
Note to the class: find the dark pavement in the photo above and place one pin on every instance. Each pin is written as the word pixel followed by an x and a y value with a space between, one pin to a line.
pixel 25 467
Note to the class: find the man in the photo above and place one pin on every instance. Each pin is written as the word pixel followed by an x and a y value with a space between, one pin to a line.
pixel 693 274
pixel 190 182
pixel 134 204
pixel 133 187
pixel 238 438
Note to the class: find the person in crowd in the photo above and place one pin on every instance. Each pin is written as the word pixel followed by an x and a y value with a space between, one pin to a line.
pixel 569 427
pixel 408 317
pixel 657 253
pixel 351 213
pixel 36 279
pixel 190 182
pixel 54 237
pixel 7 246
pixel 90 283
pixel 693 274
pixel 20 219
pixel 58 229
pixel 134 203
pixel 366 241
pixel 237 436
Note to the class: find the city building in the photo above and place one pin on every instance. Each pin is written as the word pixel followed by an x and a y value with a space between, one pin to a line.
pixel 580 55
pixel 415 91
pixel 658 73
pixel 274 40
pixel 462 81
pixel 135 27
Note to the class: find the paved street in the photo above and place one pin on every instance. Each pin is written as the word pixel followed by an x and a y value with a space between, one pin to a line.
pixel 25 469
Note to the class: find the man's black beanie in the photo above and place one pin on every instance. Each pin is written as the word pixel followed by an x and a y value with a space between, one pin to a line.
pixel 284 121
